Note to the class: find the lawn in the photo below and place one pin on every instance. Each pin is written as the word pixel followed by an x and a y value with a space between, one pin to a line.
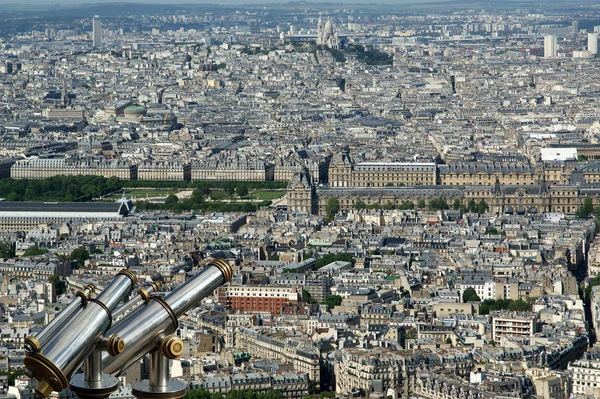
pixel 267 195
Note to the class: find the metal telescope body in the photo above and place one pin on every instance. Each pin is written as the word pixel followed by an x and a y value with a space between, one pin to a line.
pixel 143 294
pixel 67 346
pixel 143 327
pixel 86 335
pixel 34 343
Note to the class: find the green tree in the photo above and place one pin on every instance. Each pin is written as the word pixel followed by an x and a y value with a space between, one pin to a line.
pixel 307 297
pixel 333 300
pixel 586 208
pixel 197 196
pixel 406 205
pixel 421 204
pixel 456 205
pixel 468 293
pixel 438 204
pixel 79 255
pixel 60 287
pixel 472 206
pixel 7 250
pixel 230 190
pixel 474 298
pixel 332 208
pixel 482 207
pixel 34 251
pixel 360 204
pixel 242 190
pixel 171 199
pixel 389 205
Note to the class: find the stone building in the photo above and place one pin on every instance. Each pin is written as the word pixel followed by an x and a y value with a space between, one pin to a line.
pixel 165 171
pixel 278 346
pixel 343 172
pixel 230 170
pixel 41 168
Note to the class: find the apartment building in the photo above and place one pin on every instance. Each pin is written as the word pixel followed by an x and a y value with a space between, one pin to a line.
pixel 513 324
pixel 243 298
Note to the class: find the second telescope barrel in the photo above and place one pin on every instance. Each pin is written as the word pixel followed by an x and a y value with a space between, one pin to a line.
pixel 59 321
pixel 56 361
pixel 140 328
pixel 143 294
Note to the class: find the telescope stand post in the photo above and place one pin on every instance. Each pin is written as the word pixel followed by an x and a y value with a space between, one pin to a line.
pixel 93 384
pixel 159 385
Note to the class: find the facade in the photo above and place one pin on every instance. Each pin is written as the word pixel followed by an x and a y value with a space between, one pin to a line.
pixel 512 325
pixel 343 172
pixel 260 344
pixel 550 46
pixel 291 385
pixel 42 168
pixel 96 31
pixel 486 174
pixel 241 298
pixel 521 199
pixel 592 44
pixel 241 170
pixel 164 171
pixel 64 113
pixel 586 374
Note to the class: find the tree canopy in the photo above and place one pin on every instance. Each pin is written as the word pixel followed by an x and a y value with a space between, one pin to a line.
pixel 332 208
pixel 468 293
pixel 79 255
pixel 333 300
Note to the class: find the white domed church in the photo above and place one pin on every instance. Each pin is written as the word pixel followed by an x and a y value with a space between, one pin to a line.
pixel 326 35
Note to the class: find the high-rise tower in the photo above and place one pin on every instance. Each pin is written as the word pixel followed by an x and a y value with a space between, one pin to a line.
pixel 550 46
pixel 97 31
pixel 592 44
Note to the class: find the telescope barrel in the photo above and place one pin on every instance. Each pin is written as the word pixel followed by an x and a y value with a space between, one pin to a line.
pixel 140 328
pixel 56 361
pixel 143 294
pixel 57 323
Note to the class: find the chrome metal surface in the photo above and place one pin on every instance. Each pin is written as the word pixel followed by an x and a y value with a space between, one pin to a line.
pixel 92 367
pixel 159 371
pixel 61 319
pixel 132 303
pixel 194 290
pixel 138 329
pixel 76 341
pixel 94 390
pixel 69 349
pixel 115 291
pixel 143 390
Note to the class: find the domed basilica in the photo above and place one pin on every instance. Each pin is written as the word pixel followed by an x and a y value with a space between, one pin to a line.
pixel 326 36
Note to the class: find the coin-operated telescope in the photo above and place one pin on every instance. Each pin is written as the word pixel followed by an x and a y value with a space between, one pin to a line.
pixel 76 335
pixel 148 329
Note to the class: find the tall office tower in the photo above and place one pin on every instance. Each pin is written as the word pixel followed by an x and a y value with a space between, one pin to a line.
pixel 550 46
pixel 575 27
pixel 97 31
pixel 596 29
pixel 593 43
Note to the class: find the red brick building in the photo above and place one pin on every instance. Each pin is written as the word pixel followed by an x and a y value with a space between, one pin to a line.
pixel 250 299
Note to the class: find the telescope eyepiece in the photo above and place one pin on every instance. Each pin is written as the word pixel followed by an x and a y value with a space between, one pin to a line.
pixel 113 344
pixel 171 347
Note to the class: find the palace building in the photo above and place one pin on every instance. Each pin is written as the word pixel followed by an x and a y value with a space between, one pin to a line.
pixel 541 197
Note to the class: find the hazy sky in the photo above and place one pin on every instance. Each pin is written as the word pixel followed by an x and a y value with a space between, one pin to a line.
pixel 91 2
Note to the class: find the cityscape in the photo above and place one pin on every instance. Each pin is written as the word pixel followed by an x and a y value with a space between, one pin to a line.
pixel 299 200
